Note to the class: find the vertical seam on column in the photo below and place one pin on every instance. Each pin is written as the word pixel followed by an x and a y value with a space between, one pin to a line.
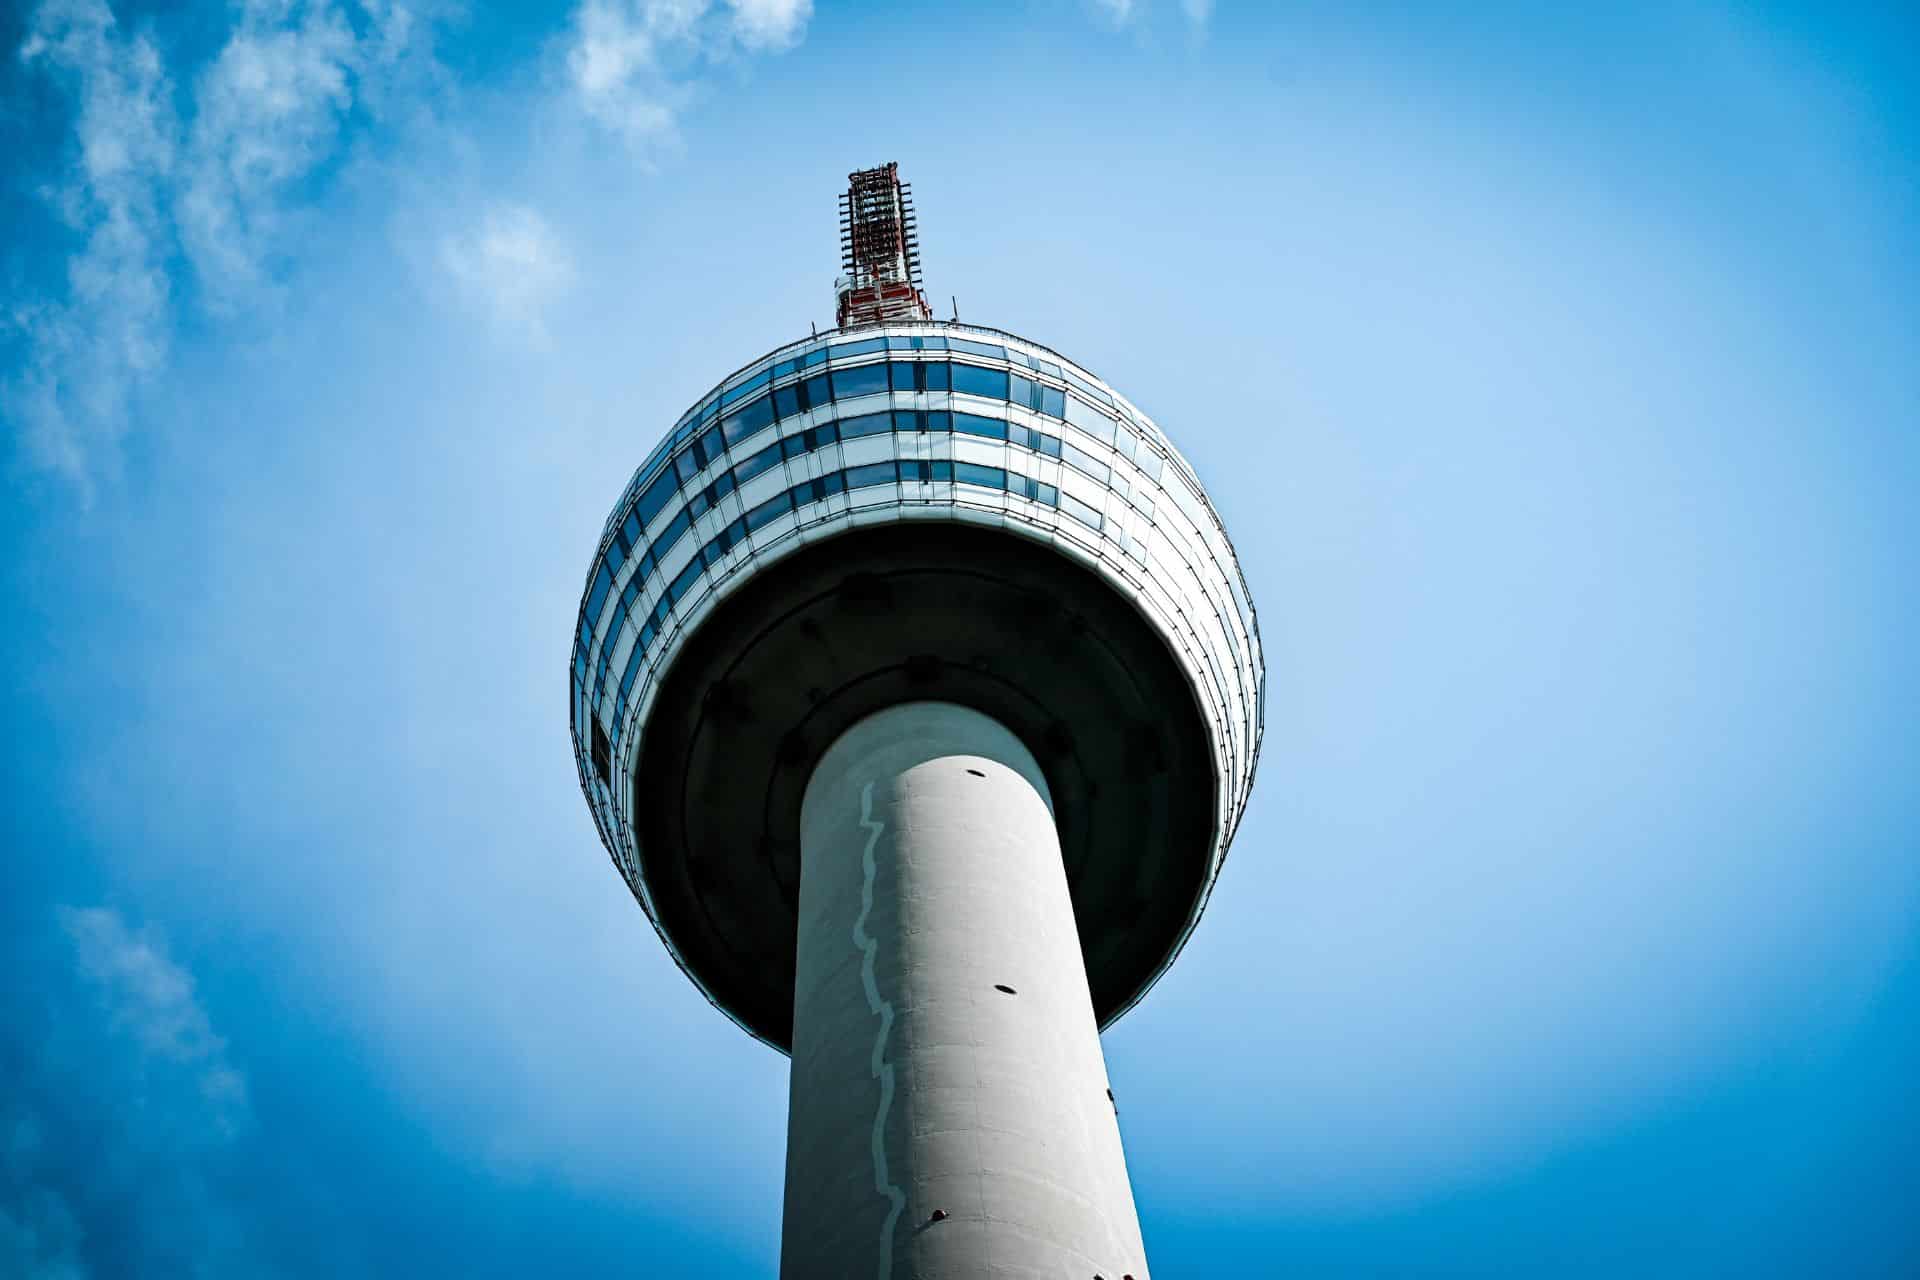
pixel 883 1010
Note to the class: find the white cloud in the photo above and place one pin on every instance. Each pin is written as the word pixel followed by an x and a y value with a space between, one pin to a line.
pixel 150 1000
pixel 89 351
pixel 1199 12
pixel 770 24
pixel 119 1128
pixel 632 64
pixel 141 187
pixel 512 264
pixel 267 110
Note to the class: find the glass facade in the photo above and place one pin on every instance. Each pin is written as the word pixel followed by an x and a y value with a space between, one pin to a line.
pixel 933 422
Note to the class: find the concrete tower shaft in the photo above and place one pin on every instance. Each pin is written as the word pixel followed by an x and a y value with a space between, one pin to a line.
pixel 949 1102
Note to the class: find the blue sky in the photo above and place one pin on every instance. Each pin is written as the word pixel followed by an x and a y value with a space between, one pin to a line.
pixel 1556 374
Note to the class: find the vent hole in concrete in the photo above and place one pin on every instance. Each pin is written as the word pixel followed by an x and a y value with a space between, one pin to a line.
pixel 976 773
pixel 1001 986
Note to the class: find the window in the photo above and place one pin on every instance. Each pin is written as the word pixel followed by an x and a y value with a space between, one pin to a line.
pixel 634 529
pixel 794 446
pixel 738 426
pixel 867 424
pixel 871 474
pixel 786 401
pixel 976 381
pixel 1087 463
pixel 771 509
pixel 753 466
pixel 814 392
pixel 841 350
pixel 655 499
pixel 977 348
pixel 905 377
pixel 863 380
pixel 1053 402
pixel 684 583
pixel 602 754
pixel 745 389
pixel 1090 420
pixel 935 375
pixel 670 535
pixel 974 425
pixel 602 583
pixel 974 473
pixel 633 669
pixel 1079 510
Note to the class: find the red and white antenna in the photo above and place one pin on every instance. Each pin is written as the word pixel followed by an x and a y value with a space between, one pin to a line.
pixel 879 251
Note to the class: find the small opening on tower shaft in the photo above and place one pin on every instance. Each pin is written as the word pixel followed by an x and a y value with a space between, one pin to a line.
pixel 1001 986
pixel 976 773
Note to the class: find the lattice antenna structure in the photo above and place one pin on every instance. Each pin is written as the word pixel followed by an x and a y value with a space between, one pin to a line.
pixel 879 252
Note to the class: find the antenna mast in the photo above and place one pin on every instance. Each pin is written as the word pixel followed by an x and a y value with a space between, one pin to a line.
pixel 879 251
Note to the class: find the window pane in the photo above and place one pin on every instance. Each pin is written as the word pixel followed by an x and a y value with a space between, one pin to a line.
pixel 903 379
pixel 816 391
pixel 935 375
pixel 602 583
pixel 974 425
pixel 745 389
pixel 658 494
pixel 1079 510
pixel 977 348
pixel 670 535
pixel 774 507
pixel 867 424
pixel 786 402
pixel 738 426
pixel 974 473
pixel 871 474
pixel 1090 420
pixel 753 466
pixel 1053 402
pixel 976 381
pixel 1087 463
pixel 842 349
pixel 860 381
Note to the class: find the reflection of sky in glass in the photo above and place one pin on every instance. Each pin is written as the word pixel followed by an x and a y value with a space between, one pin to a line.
pixel 1556 383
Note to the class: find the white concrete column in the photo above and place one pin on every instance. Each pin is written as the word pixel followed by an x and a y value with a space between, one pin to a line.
pixel 950 1114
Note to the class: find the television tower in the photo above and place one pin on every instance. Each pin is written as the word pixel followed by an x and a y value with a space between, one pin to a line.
pixel 916 693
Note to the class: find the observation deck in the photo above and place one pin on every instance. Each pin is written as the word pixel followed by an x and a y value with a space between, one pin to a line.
pixel 912 511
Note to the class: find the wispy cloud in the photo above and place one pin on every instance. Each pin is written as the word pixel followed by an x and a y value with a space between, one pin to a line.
pixel 633 64
pixel 267 110
pixel 121 1116
pixel 149 1001
pixel 89 350
pixel 145 189
pixel 512 264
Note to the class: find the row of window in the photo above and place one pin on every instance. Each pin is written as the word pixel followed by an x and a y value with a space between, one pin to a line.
pixel 630 533
pixel 861 380
pixel 890 471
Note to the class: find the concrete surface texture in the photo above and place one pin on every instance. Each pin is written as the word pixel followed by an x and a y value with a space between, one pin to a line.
pixel 950 1110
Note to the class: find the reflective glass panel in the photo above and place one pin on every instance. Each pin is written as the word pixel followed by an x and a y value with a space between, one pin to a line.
pixel 862 380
